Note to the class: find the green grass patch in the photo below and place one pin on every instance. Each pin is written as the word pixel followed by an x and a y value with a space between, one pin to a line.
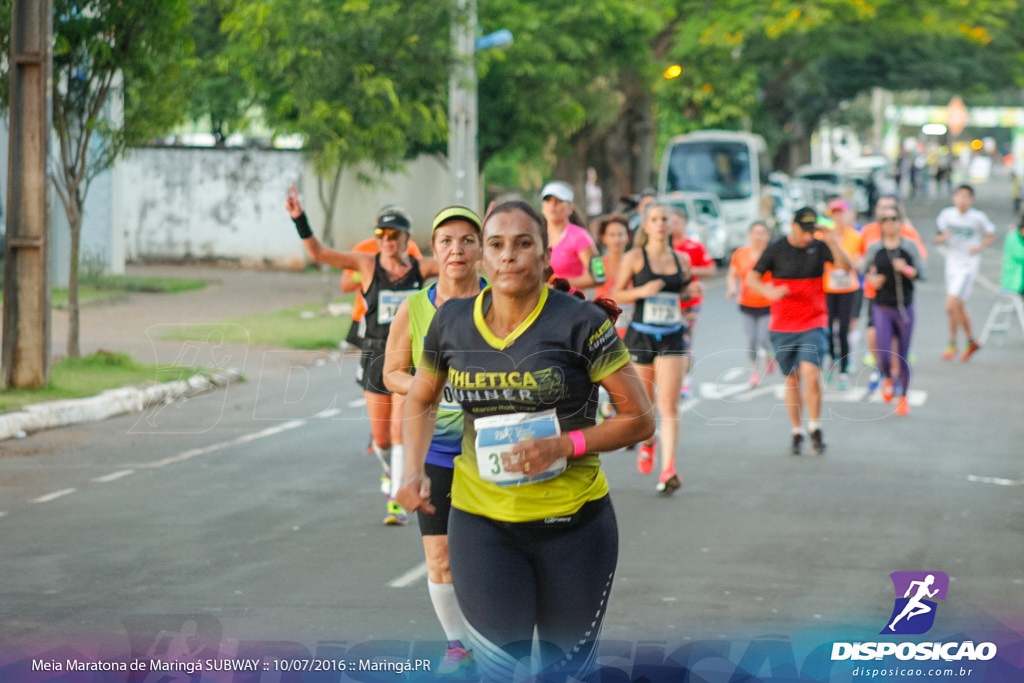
pixel 114 287
pixel 90 375
pixel 298 327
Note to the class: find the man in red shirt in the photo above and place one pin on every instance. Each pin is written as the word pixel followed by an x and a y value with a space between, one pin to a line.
pixel 799 315
pixel 703 266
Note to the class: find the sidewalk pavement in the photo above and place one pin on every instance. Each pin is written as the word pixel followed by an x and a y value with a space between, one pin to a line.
pixel 133 327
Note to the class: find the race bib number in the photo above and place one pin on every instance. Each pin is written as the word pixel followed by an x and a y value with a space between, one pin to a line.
pixel 388 302
pixel 497 434
pixel 662 309
pixel 840 279
pixel 626 317
pixel 448 401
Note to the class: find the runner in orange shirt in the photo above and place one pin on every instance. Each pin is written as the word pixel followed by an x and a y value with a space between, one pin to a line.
pixel 842 289
pixel 754 307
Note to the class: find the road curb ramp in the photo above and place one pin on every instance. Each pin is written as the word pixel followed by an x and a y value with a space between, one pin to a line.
pixel 131 399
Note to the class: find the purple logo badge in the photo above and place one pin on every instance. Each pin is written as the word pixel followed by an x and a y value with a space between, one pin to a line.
pixel 916 593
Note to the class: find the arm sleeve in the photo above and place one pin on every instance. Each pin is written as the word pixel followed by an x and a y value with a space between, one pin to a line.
pixel 915 259
pixel 603 349
pixel 767 261
pixel 869 258
pixel 433 359
pixel 987 225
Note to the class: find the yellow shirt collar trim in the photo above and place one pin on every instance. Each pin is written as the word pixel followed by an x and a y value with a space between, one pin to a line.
pixel 490 337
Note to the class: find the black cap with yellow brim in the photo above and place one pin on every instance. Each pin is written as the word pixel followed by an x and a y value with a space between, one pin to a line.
pixel 464 213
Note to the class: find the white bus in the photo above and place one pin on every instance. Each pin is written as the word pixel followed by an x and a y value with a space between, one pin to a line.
pixel 731 164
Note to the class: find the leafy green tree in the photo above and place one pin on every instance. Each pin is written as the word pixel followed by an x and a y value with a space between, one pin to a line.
pixel 131 52
pixel 573 74
pixel 218 93
pixel 365 83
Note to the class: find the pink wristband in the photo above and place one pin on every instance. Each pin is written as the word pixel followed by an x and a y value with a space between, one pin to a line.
pixel 579 443
pixel 908 270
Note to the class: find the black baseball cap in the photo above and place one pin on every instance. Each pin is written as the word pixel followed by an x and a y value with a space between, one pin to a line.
pixel 392 218
pixel 806 218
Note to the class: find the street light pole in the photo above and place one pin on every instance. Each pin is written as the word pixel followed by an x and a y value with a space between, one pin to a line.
pixel 463 164
pixel 26 325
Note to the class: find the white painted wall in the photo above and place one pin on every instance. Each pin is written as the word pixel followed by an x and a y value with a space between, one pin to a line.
pixel 181 203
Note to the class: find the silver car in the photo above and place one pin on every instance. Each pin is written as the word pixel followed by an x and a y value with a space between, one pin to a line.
pixel 705 222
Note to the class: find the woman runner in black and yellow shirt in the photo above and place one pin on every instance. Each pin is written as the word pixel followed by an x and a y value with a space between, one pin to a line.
pixel 532 535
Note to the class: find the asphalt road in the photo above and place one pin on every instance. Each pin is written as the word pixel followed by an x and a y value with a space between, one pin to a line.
pixel 253 514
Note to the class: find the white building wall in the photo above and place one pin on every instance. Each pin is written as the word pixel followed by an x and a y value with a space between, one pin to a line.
pixel 202 203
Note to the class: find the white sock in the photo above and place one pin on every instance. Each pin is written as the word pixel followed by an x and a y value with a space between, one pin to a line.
pixel 397 468
pixel 797 431
pixel 442 595
pixel 812 425
pixel 854 339
pixel 383 456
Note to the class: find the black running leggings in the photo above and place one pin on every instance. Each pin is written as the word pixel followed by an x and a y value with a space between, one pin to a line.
pixel 840 310
pixel 556 576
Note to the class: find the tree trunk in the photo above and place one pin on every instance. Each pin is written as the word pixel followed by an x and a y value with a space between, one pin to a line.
pixel 329 203
pixel 75 223
pixel 573 170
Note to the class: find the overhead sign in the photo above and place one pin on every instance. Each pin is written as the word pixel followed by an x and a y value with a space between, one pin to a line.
pixel 956 114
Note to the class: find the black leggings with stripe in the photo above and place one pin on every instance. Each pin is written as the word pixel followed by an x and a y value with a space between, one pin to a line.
pixel 555 576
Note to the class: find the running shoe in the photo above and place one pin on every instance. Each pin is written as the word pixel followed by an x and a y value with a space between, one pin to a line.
pixel 888 390
pixel 844 381
pixel 950 352
pixel 395 516
pixel 458 661
pixel 902 406
pixel 817 442
pixel 869 359
pixel 970 351
pixel 385 484
pixel 755 379
pixel 645 458
pixel 684 392
pixel 873 381
pixel 668 482
pixel 798 441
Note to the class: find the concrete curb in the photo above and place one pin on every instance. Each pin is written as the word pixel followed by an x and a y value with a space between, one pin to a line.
pixel 131 399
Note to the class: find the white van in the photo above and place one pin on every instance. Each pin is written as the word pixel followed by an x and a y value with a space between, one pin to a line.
pixel 731 164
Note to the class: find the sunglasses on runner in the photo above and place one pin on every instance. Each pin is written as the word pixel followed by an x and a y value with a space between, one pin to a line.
pixel 882 219
pixel 385 234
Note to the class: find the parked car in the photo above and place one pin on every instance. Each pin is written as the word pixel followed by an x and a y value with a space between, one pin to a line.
pixel 705 221
pixel 840 182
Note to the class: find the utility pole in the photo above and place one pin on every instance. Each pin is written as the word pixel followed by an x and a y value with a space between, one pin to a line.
pixel 463 171
pixel 26 343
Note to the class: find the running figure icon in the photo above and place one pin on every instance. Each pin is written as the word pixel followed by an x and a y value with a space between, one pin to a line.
pixel 915 606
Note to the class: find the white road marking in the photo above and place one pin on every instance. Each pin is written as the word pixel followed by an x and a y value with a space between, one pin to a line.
pixel 246 438
pixel 327 414
pixel 114 476
pixel 52 496
pixel 410 577
pixel 733 374
pixel 358 403
pixel 742 392
pixel 998 481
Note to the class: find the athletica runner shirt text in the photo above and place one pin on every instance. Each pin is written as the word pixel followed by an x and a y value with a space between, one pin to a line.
pixel 800 271
pixel 552 361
